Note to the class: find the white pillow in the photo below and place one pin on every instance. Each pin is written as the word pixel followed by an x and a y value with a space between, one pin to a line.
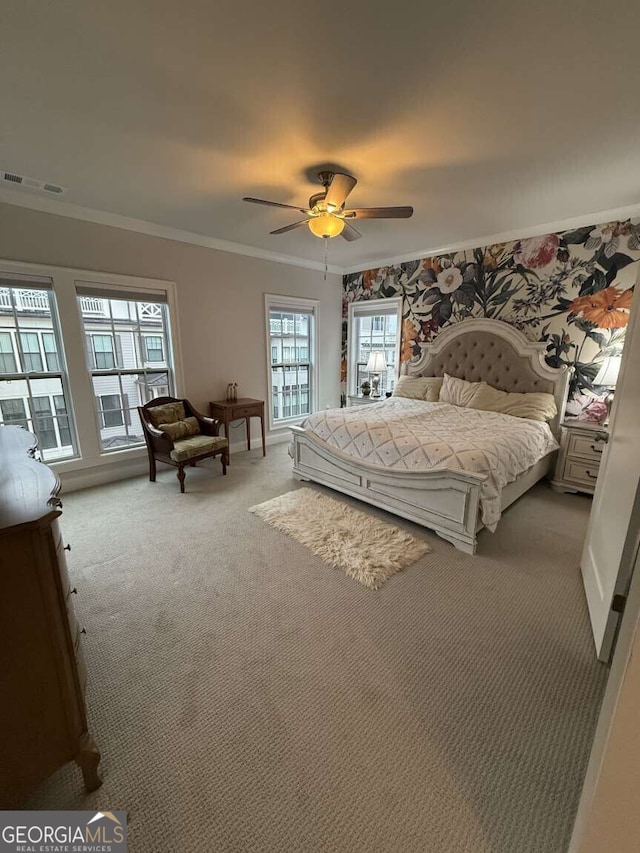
pixel 459 392
pixel 418 388
pixel 536 405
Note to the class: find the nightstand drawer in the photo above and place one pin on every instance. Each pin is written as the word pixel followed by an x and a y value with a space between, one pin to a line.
pixel 585 446
pixel 577 471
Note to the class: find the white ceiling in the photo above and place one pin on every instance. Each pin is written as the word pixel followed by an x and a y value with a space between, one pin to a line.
pixel 487 117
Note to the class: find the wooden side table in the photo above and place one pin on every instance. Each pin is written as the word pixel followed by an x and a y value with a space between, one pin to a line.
pixel 581 447
pixel 243 409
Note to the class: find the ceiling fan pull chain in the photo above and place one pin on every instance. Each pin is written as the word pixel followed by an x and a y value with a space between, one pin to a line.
pixel 324 255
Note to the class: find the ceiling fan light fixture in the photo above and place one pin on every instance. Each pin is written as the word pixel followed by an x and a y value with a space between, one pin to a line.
pixel 326 225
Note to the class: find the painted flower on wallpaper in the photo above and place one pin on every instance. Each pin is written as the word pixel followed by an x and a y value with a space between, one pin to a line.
pixel 410 346
pixel 449 279
pixel 536 252
pixel 606 309
pixel 571 290
pixel 368 278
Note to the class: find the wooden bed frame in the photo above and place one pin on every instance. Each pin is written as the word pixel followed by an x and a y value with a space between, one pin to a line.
pixel 445 500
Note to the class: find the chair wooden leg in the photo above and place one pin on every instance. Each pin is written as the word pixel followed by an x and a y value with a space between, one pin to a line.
pixel 223 459
pixel 192 464
pixel 152 469
pixel 180 476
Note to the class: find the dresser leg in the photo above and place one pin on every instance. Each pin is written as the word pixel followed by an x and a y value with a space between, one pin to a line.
pixel 87 759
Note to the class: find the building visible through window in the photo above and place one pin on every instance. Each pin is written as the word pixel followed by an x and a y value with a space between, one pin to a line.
pixel 33 384
pixel 292 371
pixel 127 347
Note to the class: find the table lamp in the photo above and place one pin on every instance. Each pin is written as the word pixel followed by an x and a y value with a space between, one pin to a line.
pixel 376 365
pixel 607 377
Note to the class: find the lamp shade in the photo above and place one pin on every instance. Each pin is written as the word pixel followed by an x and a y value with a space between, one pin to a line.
pixel 377 362
pixel 326 225
pixel 608 373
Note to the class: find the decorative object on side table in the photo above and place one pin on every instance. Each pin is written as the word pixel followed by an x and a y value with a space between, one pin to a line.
pixel 581 447
pixel 376 365
pixel 607 378
pixel 366 389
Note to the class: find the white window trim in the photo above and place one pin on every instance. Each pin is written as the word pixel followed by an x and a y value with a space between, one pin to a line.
pixel 369 308
pixel 274 300
pixel 81 405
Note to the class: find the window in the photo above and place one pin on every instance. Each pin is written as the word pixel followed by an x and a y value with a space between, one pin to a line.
pixel 111 411
pixel 64 428
pixel 291 333
pixel 7 356
pixel 32 359
pixel 153 348
pixel 50 352
pixel 374 325
pixel 14 412
pixel 102 351
pixel 44 423
pixel 31 365
pixel 127 347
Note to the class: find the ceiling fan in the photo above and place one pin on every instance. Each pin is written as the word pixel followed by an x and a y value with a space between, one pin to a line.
pixel 326 214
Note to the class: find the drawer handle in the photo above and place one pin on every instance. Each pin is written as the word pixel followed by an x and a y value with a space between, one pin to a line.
pixel 67 547
pixel 73 591
pixel 83 631
pixel 595 448
pixel 593 476
pixel 603 436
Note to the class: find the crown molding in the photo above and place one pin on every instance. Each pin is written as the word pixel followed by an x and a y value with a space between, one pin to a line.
pixel 152 229
pixel 619 213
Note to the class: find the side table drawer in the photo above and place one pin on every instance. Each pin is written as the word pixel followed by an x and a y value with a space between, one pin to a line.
pixel 585 446
pixel 579 471
pixel 244 412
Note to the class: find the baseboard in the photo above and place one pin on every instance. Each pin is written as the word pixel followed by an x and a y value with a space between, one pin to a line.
pixel 110 471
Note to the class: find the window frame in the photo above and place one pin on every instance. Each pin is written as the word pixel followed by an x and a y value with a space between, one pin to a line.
pixel 294 304
pixel 370 308
pixel 26 277
pixel 91 465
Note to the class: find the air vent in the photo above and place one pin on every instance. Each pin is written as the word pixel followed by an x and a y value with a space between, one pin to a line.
pixel 31 183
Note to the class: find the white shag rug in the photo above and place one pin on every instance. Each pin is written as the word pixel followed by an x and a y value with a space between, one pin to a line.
pixel 367 549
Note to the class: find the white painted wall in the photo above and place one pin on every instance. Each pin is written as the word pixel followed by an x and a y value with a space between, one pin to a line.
pixel 220 301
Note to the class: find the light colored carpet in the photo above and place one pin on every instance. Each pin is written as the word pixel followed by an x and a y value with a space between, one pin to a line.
pixel 247 700
pixel 367 549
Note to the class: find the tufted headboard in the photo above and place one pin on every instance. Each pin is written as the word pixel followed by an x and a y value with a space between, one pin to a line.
pixel 492 351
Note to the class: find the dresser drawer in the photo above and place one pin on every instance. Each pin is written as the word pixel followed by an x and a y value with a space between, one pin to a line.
pixel 62 566
pixel 579 471
pixel 585 446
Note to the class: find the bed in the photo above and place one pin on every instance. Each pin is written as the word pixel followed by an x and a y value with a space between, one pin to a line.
pixel 447 497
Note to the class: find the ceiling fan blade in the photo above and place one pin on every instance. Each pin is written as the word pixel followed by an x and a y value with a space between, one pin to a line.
pixel 289 227
pixel 380 213
pixel 339 189
pixel 274 204
pixel 349 233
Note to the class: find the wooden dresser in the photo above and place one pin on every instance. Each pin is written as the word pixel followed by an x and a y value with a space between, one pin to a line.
pixel 43 721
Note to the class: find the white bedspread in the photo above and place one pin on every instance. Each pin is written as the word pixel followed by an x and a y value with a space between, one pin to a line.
pixel 412 435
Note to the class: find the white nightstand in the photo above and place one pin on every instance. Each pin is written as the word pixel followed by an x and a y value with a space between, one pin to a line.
pixel 581 446
pixel 359 400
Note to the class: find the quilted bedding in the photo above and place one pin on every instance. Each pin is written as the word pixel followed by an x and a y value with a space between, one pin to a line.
pixel 413 435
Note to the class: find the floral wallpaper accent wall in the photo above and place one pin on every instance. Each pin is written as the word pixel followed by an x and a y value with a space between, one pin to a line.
pixel 572 290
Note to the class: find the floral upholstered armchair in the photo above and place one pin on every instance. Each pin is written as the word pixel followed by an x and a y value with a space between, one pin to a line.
pixel 179 435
